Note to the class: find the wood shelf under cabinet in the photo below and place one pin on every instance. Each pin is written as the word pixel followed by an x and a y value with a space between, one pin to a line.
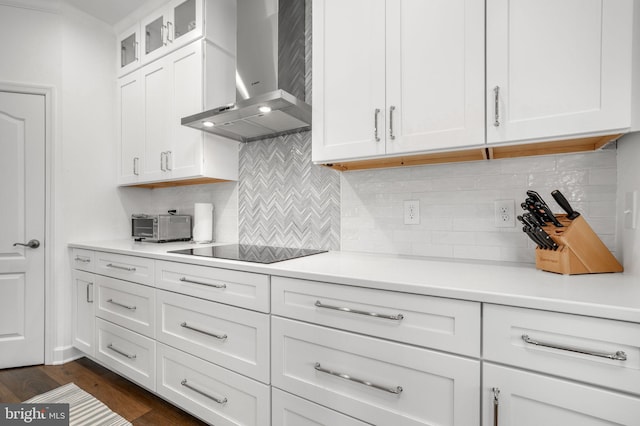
pixel 585 144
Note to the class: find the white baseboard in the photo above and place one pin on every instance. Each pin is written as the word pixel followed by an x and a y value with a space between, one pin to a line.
pixel 64 354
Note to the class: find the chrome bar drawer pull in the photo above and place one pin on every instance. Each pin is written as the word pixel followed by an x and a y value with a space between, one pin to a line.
pixel 398 317
pixel 118 351
pixel 391 134
pixel 203 393
pixel 376 113
pixel 618 356
pixel 113 302
pixel 82 259
pixel 185 280
pixel 89 298
pixel 208 333
pixel 496 94
pixel 123 268
pixel 496 403
pixel 396 390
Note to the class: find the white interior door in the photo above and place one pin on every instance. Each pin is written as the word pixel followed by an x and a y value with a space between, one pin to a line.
pixel 22 218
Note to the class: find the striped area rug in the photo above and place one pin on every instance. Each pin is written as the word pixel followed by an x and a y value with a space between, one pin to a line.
pixel 84 409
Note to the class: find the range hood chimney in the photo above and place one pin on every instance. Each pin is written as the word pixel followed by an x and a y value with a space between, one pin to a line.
pixel 270 75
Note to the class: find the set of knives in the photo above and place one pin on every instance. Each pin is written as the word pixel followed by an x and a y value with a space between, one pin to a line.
pixel 538 216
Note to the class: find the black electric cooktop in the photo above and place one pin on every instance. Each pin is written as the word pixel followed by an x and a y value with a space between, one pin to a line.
pixel 249 253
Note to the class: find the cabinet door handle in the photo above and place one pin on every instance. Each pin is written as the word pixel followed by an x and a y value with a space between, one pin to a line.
pixel 162 161
pixel 397 317
pixel 208 333
pixel 82 259
pixel 136 53
pixel 168 159
pixel 496 99
pixel 163 35
pixel 376 113
pixel 113 302
pixel 391 110
pixel 186 280
pixel 496 404
pixel 618 356
pixel 222 400
pixel 89 299
pixel 123 268
pixel 169 31
pixel 136 160
pixel 396 390
pixel 118 351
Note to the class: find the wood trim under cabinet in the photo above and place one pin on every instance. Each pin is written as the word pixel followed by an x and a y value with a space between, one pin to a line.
pixel 482 153
pixel 195 181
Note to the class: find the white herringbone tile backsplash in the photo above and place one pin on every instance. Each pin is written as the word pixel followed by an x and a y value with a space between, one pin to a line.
pixel 457 204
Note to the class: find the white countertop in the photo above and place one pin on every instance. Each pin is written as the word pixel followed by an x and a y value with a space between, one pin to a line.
pixel 615 296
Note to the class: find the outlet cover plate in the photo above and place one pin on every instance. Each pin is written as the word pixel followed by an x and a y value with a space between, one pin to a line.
pixel 505 213
pixel 412 212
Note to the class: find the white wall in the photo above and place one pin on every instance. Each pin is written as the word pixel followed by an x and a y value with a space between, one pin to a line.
pixel 457 204
pixel 48 44
pixel 628 181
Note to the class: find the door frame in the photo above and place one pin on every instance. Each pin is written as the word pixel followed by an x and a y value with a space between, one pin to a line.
pixel 50 319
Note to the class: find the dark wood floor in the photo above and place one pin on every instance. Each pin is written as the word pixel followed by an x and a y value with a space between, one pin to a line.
pixel 135 404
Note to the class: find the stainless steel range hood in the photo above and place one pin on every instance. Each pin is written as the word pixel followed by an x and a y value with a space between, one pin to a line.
pixel 270 75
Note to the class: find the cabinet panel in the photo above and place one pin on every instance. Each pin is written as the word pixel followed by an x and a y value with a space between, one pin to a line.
pixel 231 337
pixel 82 311
pixel 214 394
pixel 131 127
pixel 130 268
pixel 82 259
pixel 446 324
pixel 289 410
pixel 157 110
pixel 420 386
pixel 504 328
pixel 348 78
pixel 127 304
pixel 126 352
pixel 574 77
pixel 528 399
pixel 244 289
pixel 129 45
pixel 434 74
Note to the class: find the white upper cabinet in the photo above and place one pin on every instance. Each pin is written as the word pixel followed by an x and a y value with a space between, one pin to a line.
pixel 176 25
pixel 394 77
pixel 129 50
pixel 154 146
pixel 557 69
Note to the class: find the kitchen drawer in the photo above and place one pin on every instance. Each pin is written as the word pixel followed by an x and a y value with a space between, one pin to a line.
pixel 216 395
pixel 531 399
pixel 417 386
pixel 127 304
pixel 128 353
pixel 82 259
pixel 130 268
pixel 504 328
pixel 289 410
pixel 243 289
pixel 234 338
pixel 446 324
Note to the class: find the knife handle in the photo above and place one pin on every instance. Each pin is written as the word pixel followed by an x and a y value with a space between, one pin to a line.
pixel 562 202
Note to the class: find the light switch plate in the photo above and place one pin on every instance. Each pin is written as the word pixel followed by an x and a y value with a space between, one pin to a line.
pixel 630 209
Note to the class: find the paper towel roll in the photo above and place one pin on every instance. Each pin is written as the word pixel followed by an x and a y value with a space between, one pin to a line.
pixel 203 222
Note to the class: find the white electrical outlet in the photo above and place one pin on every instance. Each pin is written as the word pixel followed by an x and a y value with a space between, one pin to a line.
pixel 505 213
pixel 412 212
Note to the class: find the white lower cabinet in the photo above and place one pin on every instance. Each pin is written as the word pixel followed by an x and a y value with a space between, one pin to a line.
pixel 374 380
pixel 290 410
pixel 231 337
pixel 215 394
pixel 126 352
pixel 530 399
pixel 82 311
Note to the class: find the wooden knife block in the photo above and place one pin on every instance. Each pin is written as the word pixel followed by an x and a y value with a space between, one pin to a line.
pixel 580 250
